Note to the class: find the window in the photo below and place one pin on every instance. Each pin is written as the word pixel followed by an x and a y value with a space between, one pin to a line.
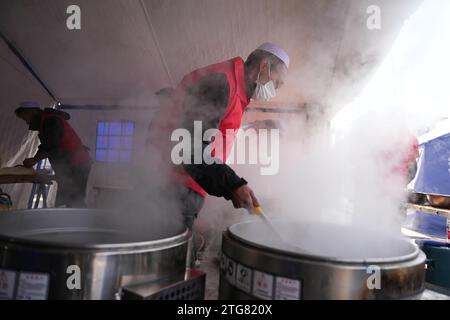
pixel 114 141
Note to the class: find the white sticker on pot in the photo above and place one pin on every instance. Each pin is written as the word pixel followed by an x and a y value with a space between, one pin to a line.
pixel 230 271
pixel 32 286
pixel 287 289
pixel 244 278
pixel 7 284
pixel 263 285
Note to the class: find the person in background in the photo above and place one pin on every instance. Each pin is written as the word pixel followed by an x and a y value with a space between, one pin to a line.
pixel 411 159
pixel 216 96
pixel 407 167
pixel 403 164
pixel 60 143
pixel 410 169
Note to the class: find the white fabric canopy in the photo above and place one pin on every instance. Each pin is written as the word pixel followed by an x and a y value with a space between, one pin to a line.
pixel 127 48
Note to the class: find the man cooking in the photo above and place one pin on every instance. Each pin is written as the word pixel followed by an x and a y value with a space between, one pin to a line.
pixel 62 146
pixel 217 96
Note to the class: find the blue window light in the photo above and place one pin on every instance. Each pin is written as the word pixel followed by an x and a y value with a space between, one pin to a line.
pixel 114 141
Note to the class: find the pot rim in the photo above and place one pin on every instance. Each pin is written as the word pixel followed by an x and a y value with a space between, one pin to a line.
pixel 149 245
pixel 309 256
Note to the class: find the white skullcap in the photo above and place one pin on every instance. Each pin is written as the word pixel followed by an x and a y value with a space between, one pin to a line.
pixel 276 51
pixel 29 104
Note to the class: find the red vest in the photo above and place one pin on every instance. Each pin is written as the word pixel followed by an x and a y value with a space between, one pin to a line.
pixel 70 142
pixel 231 119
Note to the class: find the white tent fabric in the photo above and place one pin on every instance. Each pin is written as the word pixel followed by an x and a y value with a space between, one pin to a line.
pixel 125 48
pixel 22 191
pixel 16 84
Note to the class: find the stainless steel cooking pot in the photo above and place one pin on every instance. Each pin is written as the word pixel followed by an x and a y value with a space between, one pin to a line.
pixel 317 261
pixel 85 254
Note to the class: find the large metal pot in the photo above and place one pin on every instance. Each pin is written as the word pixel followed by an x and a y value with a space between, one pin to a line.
pixel 256 265
pixel 43 253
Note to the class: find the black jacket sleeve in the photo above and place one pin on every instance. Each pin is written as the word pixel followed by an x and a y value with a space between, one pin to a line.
pixel 206 101
pixel 53 131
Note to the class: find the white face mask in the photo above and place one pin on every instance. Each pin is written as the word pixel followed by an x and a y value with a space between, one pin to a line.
pixel 265 91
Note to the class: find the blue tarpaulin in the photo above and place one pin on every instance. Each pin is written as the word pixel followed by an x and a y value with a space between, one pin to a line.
pixel 430 224
pixel 433 174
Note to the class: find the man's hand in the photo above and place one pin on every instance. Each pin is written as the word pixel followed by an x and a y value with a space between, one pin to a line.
pixel 29 162
pixel 243 197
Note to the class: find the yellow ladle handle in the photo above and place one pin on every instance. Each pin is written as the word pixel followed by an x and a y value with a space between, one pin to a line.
pixel 258 210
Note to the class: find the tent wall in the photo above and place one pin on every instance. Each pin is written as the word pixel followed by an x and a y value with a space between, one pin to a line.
pixel 126 48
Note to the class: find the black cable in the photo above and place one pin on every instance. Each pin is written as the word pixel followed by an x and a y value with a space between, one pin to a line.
pixel 27 65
